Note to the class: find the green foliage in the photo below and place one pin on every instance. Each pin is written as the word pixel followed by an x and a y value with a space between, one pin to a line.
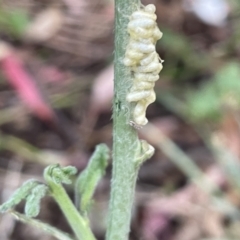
pixel 32 206
pixel 221 92
pixel 19 195
pixel 54 176
pixel 59 174
pixel 13 22
pixel 89 178
pixel 32 191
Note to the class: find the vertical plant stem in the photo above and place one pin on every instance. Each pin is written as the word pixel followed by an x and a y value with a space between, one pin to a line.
pixel 125 139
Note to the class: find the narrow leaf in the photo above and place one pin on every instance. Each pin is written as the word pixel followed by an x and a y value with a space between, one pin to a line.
pixel 89 178
pixel 19 195
pixel 32 207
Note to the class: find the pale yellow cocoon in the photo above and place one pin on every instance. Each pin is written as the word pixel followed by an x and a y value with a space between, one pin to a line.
pixel 144 61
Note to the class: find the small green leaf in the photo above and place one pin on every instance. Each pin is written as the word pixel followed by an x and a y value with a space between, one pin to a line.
pixel 89 178
pixel 19 195
pixel 32 206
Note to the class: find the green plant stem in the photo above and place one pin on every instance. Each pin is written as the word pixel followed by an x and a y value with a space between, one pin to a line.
pixel 40 225
pixel 125 139
pixel 79 225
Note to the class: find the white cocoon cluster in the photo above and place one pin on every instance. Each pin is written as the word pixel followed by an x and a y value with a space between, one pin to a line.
pixel 142 58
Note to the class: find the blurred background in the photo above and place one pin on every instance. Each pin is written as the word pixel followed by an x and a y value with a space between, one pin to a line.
pixel 56 80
